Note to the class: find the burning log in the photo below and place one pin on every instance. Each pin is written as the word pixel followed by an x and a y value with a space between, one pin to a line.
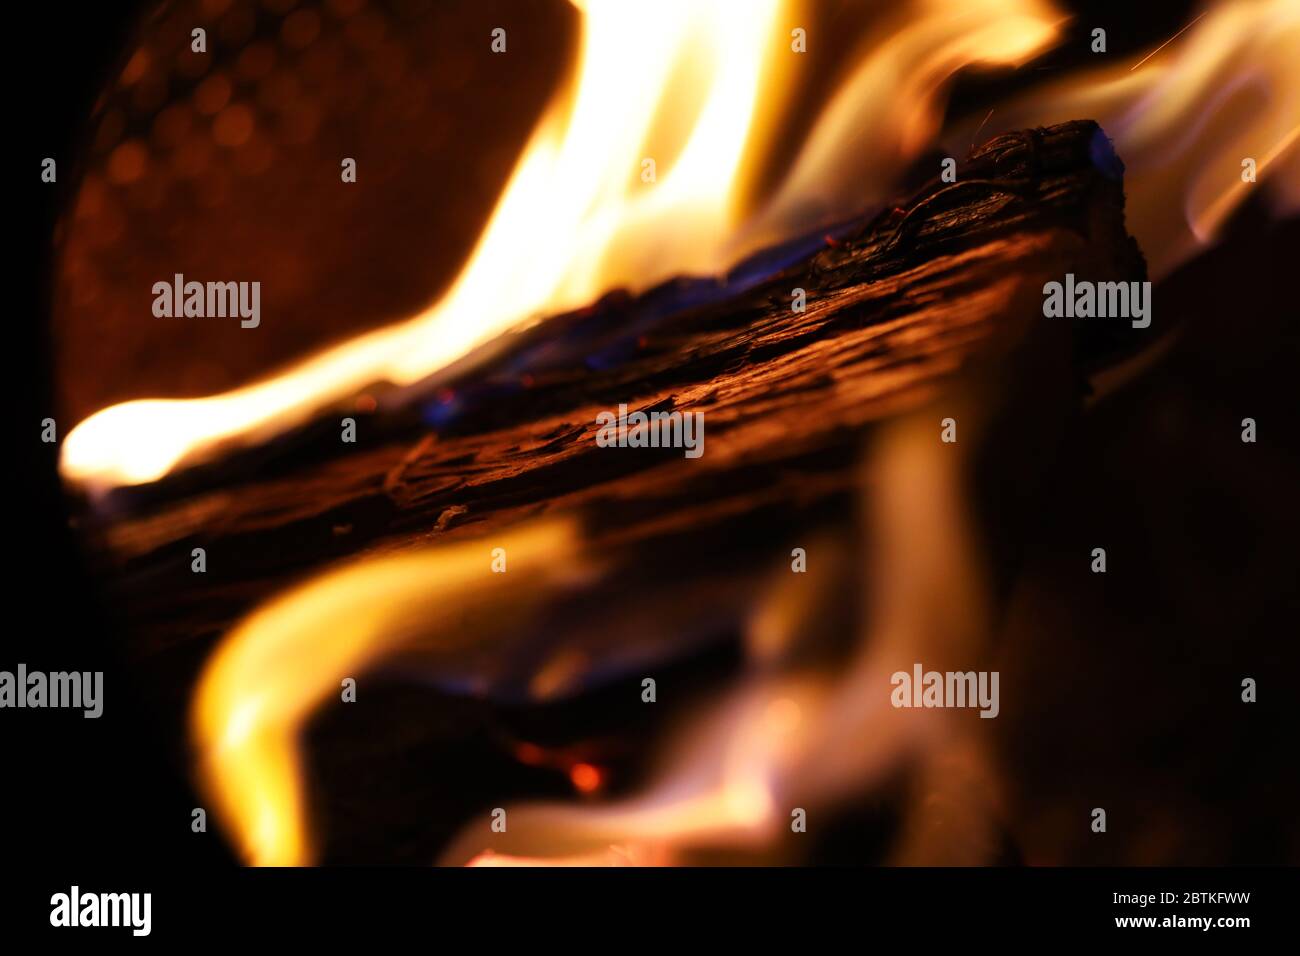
pixel 893 309
pixel 921 305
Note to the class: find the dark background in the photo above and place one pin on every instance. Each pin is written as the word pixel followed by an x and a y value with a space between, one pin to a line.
pixel 81 796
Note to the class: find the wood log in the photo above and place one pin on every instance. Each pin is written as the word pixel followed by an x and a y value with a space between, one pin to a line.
pixel 894 309
pixel 945 287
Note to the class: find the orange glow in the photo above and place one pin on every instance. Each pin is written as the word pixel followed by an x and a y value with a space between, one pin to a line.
pixel 530 754
pixel 610 856
pixel 585 777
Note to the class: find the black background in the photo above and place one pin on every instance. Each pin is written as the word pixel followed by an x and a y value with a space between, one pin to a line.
pixel 80 791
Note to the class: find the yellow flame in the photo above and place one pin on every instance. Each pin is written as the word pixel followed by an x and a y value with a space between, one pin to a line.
pixel 578 218
pixel 890 107
pixel 287 658
pixel 560 234
pixel 1183 119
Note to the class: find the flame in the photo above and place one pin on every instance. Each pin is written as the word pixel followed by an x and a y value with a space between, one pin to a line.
pixel 778 742
pixel 1185 116
pixel 576 218
pixel 738 768
pixel 284 660
pixel 891 106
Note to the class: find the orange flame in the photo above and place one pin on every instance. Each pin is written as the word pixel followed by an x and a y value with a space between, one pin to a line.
pixel 284 660
pixel 1185 118
pixel 578 216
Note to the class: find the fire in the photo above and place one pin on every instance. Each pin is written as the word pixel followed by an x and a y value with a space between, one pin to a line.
pixel 777 742
pixel 574 220
pixel 682 87
pixel 891 105
pixel 577 219
pixel 287 658
pixel 1224 90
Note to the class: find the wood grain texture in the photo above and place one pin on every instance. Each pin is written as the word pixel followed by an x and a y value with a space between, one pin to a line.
pixel 946 286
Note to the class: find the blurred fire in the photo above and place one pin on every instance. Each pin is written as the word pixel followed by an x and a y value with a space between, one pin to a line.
pixel 277 666
pixel 781 741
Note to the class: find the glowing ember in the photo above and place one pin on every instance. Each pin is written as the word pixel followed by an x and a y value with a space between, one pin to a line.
pixel 585 777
